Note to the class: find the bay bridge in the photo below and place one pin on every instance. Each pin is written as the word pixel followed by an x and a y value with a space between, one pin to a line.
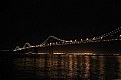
pixel 113 35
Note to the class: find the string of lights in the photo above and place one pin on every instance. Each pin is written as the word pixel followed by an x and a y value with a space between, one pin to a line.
pixel 65 42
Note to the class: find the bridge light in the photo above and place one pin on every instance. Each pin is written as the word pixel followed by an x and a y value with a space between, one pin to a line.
pixel 71 41
pixel 120 36
pixel 56 42
pixel 87 39
pixel 37 45
pixel 101 37
pixel 94 38
pixel 20 49
pixel 75 40
pixel 50 43
pixel 40 45
pixel 14 50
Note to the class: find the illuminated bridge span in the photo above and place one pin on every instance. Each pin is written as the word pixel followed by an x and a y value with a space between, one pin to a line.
pixel 53 41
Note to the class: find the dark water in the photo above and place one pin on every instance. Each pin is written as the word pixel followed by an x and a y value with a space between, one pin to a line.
pixel 60 66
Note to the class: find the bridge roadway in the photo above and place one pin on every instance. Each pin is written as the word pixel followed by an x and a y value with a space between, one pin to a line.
pixel 75 46
pixel 53 41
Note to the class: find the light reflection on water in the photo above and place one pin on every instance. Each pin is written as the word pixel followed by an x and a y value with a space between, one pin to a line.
pixel 64 66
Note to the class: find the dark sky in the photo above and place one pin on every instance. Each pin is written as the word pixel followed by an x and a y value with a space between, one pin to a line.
pixel 34 20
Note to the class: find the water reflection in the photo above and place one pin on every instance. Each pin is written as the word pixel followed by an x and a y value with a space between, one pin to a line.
pixel 63 66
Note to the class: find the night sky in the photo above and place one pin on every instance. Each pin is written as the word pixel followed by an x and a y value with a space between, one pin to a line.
pixel 33 21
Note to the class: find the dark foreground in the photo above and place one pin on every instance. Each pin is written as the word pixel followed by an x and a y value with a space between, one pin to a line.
pixel 59 66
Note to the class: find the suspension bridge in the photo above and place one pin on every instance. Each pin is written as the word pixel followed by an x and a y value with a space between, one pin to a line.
pixel 113 35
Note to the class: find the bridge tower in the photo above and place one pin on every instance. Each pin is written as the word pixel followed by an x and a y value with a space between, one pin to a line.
pixel 50 45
